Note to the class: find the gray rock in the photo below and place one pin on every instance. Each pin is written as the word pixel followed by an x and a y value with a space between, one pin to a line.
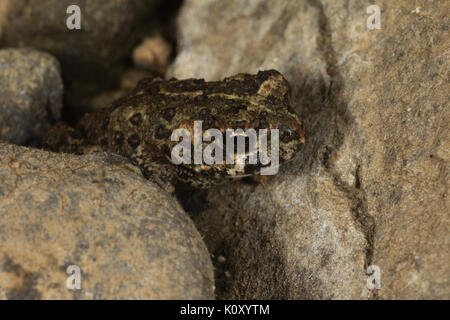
pixel 130 239
pixel 91 58
pixel 30 94
pixel 370 187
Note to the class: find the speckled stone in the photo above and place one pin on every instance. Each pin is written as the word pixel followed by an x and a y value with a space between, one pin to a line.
pixel 30 94
pixel 130 239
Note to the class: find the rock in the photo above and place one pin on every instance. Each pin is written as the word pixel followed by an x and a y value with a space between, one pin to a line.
pixel 370 187
pixel 3 11
pixel 131 77
pixel 91 58
pixel 128 82
pixel 152 54
pixel 30 94
pixel 130 239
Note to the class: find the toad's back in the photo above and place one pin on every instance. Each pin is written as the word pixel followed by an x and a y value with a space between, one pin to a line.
pixel 140 125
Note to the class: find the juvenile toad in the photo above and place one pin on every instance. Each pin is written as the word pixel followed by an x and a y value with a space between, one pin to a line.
pixel 139 126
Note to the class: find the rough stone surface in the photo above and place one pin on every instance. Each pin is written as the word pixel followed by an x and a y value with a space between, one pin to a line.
pixel 30 94
pixel 152 54
pixel 91 58
pixel 371 184
pixel 131 240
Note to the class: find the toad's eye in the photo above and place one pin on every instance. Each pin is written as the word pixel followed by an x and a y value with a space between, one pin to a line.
pixel 286 134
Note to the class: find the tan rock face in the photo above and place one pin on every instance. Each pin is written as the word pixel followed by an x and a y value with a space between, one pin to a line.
pixel 130 240
pixel 370 187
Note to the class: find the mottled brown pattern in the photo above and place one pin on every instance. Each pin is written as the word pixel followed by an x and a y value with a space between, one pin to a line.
pixel 139 126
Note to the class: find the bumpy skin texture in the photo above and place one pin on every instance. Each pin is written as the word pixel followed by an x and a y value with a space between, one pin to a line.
pixel 140 125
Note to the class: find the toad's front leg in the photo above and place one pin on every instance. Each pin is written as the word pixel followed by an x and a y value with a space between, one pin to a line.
pixel 158 170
